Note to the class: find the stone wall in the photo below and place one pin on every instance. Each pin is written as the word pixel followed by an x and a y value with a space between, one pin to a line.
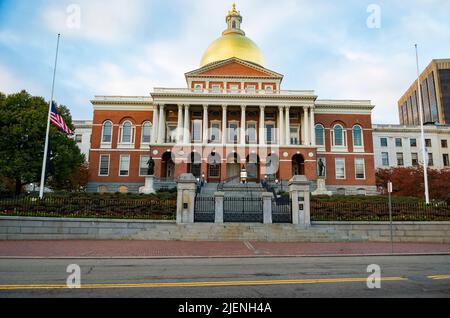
pixel 19 228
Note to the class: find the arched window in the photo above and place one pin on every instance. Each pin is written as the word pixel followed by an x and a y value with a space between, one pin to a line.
pixel 107 132
pixel 357 136
pixel 338 136
pixel 146 132
pixel 127 133
pixel 320 135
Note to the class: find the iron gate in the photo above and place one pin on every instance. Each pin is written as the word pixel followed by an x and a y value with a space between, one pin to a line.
pixel 243 210
pixel 282 210
pixel 204 211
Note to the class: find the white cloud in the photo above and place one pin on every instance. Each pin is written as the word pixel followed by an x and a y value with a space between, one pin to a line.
pixel 11 83
pixel 107 21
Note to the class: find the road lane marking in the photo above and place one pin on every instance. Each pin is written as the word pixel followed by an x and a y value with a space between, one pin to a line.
pixel 439 277
pixel 205 284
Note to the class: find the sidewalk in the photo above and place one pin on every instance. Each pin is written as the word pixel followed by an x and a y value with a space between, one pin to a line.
pixel 162 249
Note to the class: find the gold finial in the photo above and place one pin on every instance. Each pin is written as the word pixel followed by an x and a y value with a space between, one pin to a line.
pixel 234 11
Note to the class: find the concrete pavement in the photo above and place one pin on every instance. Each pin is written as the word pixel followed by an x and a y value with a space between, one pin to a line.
pixel 276 277
pixel 164 249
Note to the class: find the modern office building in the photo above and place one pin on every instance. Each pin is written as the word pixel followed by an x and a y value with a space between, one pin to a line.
pixel 401 146
pixel 435 89
pixel 233 115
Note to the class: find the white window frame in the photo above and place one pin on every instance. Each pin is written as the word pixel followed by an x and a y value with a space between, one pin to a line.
pixel 230 139
pixel 100 166
pixel 168 131
pixel 364 168
pixel 388 159
pixel 105 144
pixel 130 144
pixel 336 170
pixel 200 122
pixel 339 148
pixel 145 163
pixel 247 136
pixel 381 142
pixel 250 89
pixel 234 89
pixel 198 88
pixel 216 88
pixel 358 148
pixel 120 165
pixel 142 133
pixel 323 139
pixel 211 132
pixel 297 128
pixel 274 132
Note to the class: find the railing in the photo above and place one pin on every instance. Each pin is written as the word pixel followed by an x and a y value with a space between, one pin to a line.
pixel 89 207
pixel 227 180
pixel 245 210
pixel 204 210
pixel 373 211
pixel 282 210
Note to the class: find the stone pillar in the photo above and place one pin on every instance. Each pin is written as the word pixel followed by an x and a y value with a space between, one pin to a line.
pixel 187 129
pixel 243 124
pixel 180 124
pixel 224 124
pixel 280 126
pixel 267 207
pixel 155 125
pixel 186 188
pixel 262 119
pixel 299 191
pixel 161 125
pixel 219 196
pixel 205 125
pixel 312 128
pixel 288 126
pixel 306 125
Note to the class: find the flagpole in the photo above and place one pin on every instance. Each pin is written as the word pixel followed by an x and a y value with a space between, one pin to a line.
pixel 44 161
pixel 422 133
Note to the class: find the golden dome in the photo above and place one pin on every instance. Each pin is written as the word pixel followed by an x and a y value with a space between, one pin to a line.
pixel 233 43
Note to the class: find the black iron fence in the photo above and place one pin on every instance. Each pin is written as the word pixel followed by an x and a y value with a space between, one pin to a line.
pixel 89 207
pixel 245 210
pixel 375 211
pixel 281 210
pixel 204 211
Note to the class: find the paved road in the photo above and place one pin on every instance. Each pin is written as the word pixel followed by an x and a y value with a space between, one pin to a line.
pixel 406 276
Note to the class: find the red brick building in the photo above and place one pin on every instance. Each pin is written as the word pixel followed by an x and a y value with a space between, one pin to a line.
pixel 233 115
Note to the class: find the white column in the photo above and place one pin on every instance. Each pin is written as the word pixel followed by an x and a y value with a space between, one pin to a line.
pixel 262 119
pixel 180 124
pixel 280 126
pixel 161 125
pixel 186 130
pixel 313 128
pixel 155 125
pixel 205 124
pixel 224 124
pixel 243 124
pixel 288 126
pixel 306 124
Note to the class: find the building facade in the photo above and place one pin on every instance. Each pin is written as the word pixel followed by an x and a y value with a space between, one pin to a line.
pixel 82 135
pixel 401 146
pixel 435 90
pixel 232 116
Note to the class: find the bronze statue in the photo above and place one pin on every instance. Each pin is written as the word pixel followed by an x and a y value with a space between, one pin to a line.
pixel 151 165
pixel 321 166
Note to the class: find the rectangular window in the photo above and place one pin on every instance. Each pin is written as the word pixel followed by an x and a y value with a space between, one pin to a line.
pixel 415 159
pixel 233 133
pixel 428 143
pixel 340 168
pixel 398 142
pixel 124 166
pixel 251 133
pixel 215 132
pixel 430 160
pixel 171 133
pixel 214 171
pixel 78 138
pixel 360 169
pixel 143 166
pixel 446 160
pixel 251 89
pixel 198 88
pixel 413 142
pixel 294 135
pixel 270 133
pixel 400 161
pixel 104 166
pixel 383 142
pixel 385 159
pixel 234 89
pixel 216 89
pixel 444 143
pixel 197 130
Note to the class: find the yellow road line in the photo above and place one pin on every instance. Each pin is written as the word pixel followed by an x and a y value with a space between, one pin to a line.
pixel 203 284
pixel 439 277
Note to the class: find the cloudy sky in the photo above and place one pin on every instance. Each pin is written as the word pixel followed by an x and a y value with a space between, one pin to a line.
pixel 127 47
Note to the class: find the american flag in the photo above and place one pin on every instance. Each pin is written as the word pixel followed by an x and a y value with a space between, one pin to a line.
pixel 58 121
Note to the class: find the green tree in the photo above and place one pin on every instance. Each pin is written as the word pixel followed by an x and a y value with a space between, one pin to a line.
pixel 23 123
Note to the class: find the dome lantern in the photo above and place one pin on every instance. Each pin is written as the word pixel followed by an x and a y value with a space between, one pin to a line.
pixel 234 20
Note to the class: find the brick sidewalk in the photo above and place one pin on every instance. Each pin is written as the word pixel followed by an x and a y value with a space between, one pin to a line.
pixel 204 249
